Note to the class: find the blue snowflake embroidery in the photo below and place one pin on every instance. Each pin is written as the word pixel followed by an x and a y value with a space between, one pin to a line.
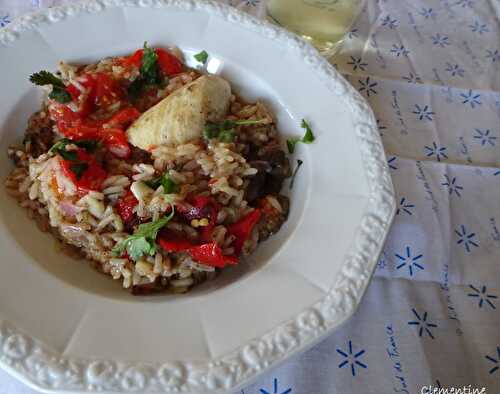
pixel 422 324
pixel 351 359
pixel 435 150
pixel 381 127
pixel 452 185
pixel 440 40
pixel 409 261
pixel 275 389
pixel 466 239
pixel 493 55
pixel 390 22
pixel 465 3
pixel 252 3
pixel 427 13
pixel 483 296
pixel 423 112
pixel 455 70
pixel 357 63
pixel 404 206
pixel 399 50
pixel 367 86
pixel 480 28
pixel 392 163
pixel 352 34
pixel 382 262
pixel 412 78
pixel 484 137
pixel 471 98
pixel 495 361
pixel 4 20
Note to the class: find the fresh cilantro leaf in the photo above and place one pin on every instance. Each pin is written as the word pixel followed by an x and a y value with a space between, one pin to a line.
pixel 143 241
pixel 150 71
pixel 68 155
pixel 291 143
pixel 227 136
pixel 60 148
pixel 169 186
pixel 88 145
pixel 60 95
pixel 61 144
pixel 224 131
pixel 78 168
pixel 211 131
pixel 201 57
pixel 154 183
pixel 135 88
pixel 299 164
pixel 59 92
pixel 138 247
pixel 46 78
pixel 308 136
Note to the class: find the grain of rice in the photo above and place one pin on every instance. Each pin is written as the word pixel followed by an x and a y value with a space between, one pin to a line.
pixel 181 283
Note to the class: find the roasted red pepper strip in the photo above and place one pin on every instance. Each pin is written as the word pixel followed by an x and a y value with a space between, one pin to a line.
pixel 125 206
pixel 168 63
pixel 133 60
pixel 107 90
pixel 81 132
pixel 211 254
pixel 91 178
pixel 242 229
pixel 207 254
pixel 172 243
pixel 116 142
pixel 123 119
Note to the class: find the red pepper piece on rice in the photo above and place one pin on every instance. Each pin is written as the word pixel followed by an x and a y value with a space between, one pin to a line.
pixel 169 64
pixel 242 229
pixel 208 254
pixel 123 118
pixel 125 206
pixel 211 254
pixel 116 142
pixel 85 172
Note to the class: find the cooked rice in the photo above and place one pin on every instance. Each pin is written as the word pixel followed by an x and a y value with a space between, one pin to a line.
pixel 92 224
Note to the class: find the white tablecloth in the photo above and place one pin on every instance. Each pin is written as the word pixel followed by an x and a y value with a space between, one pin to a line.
pixel 431 71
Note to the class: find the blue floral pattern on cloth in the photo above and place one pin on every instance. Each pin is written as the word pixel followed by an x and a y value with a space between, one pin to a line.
pixel 430 69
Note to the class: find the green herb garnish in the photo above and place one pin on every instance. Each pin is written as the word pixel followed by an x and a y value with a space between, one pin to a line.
pixel 299 164
pixel 169 186
pixel 308 137
pixel 59 92
pixel 60 147
pixel 201 57
pixel 225 131
pixel 78 168
pixel 143 241
pixel 149 72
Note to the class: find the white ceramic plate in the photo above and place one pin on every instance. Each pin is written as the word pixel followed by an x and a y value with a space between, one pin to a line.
pixel 66 328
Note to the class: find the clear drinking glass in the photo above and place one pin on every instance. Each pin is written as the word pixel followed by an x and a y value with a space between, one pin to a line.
pixel 324 23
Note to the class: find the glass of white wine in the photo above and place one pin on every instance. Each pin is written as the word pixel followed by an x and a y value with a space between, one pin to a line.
pixel 324 23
